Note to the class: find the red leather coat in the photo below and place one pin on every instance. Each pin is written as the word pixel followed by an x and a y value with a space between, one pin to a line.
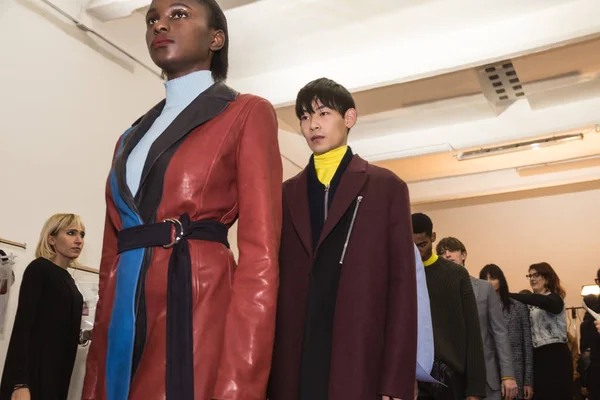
pixel 220 161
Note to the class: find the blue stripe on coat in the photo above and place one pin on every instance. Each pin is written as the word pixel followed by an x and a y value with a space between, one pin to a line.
pixel 121 331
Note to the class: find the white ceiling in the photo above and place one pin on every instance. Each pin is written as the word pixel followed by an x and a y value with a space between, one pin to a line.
pixel 412 66
pixel 278 45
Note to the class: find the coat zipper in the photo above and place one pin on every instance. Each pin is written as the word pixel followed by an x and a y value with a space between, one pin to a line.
pixel 326 200
pixel 358 200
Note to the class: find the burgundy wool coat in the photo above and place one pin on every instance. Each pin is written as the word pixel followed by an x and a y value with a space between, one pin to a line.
pixel 374 339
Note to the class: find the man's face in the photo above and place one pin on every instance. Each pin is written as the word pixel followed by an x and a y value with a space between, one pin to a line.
pixel 457 256
pixel 424 243
pixel 326 129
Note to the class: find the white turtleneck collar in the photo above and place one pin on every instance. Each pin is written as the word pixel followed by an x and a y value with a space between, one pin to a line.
pixel 180 92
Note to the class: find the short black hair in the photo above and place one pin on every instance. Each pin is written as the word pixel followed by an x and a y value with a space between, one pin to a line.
pixel 328 92
pixel 219 65
pixel 422 224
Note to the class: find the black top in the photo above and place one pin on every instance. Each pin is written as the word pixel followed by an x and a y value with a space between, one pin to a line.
pixel 43 344
pixel 323 286
pixel 455 320
pixel 552 302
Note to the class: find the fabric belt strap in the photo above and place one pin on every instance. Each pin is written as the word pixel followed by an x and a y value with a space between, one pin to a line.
pixel 180 348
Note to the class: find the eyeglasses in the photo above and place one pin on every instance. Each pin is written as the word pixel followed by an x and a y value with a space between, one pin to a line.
pixel 534 275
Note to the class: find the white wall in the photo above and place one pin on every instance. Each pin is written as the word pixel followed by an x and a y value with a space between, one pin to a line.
pixel 65 101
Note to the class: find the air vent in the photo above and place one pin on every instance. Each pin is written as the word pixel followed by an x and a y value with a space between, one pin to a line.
pixel 500 83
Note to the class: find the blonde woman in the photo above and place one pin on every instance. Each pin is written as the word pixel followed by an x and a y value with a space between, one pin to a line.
pixel 46 332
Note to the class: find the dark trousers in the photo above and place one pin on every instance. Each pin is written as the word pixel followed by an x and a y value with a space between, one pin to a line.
pixel 594 384
pixel 454 389
pixel 552 372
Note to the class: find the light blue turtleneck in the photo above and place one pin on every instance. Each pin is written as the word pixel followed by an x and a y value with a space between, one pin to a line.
pixel 180 92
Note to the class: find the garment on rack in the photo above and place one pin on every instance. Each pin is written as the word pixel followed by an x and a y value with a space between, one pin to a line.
pixel 7 279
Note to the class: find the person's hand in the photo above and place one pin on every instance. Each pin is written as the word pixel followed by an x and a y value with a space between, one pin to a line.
pixel 597 325
pixel 21 394
pixel 528 392
pixel 510 390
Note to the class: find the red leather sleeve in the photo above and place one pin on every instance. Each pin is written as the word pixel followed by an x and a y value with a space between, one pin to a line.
pixel 249 330
pixel 96 359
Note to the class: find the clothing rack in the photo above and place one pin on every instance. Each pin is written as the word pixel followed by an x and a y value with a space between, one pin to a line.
pixel 86 269
pixel 573 311
pixel 16 244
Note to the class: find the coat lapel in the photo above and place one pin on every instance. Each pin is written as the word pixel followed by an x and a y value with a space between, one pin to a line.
pixel 297 200
pixel 205 107
pixel 140 127
pixel 351 184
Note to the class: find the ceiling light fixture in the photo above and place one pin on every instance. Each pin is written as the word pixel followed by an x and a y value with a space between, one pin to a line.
pixel 568 162
pixel 536 144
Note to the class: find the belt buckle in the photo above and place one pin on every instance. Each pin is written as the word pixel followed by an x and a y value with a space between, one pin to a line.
pixel 178 233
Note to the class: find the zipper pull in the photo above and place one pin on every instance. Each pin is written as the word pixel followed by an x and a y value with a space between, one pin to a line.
pixel 326 201
pixel 358 201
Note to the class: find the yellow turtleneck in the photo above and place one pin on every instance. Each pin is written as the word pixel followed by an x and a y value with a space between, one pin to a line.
pixel 327 163
pixel 434 257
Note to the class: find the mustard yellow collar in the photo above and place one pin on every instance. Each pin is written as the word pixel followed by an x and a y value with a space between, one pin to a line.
pixel 434 257
pixel 326 164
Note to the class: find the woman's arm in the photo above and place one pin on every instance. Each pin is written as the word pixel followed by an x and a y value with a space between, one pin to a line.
pixel 552 302
pixel 250 325
pixel 30 295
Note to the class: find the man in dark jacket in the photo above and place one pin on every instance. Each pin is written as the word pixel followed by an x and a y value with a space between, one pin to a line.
pixel 347 310
pixel 459 359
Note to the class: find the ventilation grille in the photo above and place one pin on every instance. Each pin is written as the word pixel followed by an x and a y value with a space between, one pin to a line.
pixel 500 83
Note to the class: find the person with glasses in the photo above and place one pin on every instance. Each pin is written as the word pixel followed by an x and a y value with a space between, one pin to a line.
pixel 552 365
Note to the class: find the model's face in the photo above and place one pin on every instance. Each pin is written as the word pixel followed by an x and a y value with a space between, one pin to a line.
pixel 424 243
pixel 326 129
pixel 67 244
pixel 178 36
pixel 457 256
pixel 495 282
pixel 537 281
